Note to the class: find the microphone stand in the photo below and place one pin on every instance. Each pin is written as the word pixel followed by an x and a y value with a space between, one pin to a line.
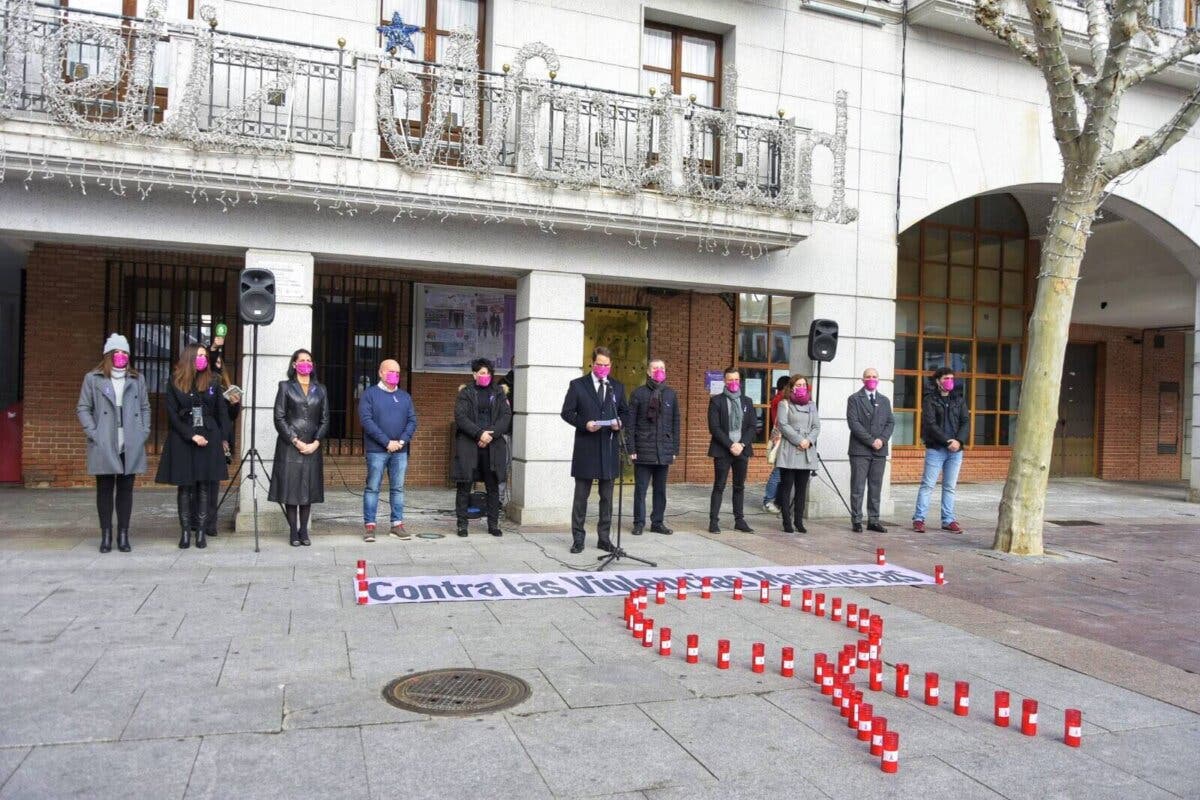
pixel 622 459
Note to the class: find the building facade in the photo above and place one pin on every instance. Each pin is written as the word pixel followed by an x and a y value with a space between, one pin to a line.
pixel 695 181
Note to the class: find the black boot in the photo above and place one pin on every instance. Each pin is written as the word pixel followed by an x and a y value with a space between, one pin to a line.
pixel 786 515
pixel 123 540
pixel 201 514
pixel 183 501
pixel 105 540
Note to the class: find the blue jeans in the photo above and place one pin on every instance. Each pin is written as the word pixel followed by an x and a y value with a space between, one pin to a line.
pixel 396 465
pixel 938 459
pixel 772 487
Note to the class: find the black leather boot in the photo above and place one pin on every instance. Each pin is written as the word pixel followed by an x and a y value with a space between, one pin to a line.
pixel 184 503
pixel 201 514
pixel 105 540
pixel 123 540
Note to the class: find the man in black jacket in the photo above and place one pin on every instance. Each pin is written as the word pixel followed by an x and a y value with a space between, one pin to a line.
pixel 869 415
pixel 945 423
pixel 732 424
pixel 595 406
pixel 653 442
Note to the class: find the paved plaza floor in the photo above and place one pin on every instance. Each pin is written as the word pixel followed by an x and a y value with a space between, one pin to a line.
pixel 226 673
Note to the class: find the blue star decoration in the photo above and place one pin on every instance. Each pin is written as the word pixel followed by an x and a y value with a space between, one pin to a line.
pixel 398 34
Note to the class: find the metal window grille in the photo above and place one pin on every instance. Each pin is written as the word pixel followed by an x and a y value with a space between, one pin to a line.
pixel 358 321
pixel 162 308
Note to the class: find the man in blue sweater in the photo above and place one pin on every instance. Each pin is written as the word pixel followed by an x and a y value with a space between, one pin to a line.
pixel 388 422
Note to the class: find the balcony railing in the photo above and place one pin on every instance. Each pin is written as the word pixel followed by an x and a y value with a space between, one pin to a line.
pixel 115 78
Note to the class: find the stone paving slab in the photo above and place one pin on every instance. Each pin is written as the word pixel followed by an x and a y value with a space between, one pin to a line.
pixel 594 751
pixel 188 663
pixel 10 759
pixel 326 763
pixel 1153 754
pixel 179 712
pixel 33 717
pixel 133 770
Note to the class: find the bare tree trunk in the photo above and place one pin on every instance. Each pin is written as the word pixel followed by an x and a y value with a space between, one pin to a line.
pixel 1022 507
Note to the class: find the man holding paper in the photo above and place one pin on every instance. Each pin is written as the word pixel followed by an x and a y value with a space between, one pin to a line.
pixel 595 407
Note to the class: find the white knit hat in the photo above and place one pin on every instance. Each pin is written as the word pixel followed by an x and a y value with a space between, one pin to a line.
pixel 116 342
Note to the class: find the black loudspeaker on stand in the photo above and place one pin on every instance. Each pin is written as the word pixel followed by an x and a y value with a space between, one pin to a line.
pixel 256 307
pixel 822 347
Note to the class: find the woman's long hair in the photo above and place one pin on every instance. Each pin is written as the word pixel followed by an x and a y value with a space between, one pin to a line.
pixel 105 367
pixel 291 373
pixel 185 376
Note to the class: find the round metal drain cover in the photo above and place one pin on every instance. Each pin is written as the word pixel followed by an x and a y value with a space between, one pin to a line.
pixel 456 692
pixel 430 536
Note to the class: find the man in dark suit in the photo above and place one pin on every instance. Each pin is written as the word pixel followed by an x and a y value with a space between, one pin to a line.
pixel 869 415
pixel 652 441
pixel 732 424
pixel 595 406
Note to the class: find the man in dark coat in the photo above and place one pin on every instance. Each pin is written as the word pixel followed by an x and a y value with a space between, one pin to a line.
pixel 869 415
pixel 595 406
pixel 732 424
pixel 653 442
pixel 945 422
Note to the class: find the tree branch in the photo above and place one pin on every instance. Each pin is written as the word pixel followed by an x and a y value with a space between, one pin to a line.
pixel 991 17
pixel 1148 148
pixel 1186 46
pixel 1056 67
pixel 1097 31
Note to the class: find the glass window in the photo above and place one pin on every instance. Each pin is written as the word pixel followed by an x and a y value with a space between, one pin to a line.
pixel 1008 429
pixel 656 48
pixel 698 55
pixel 906 392
pixel 905 430
pixel 961 280
pixel 908 279
pixel 781 310
pixel 752 308
pixel 686 60
pixel 752 344
pixel 960 320
pixel 963 275
pixel 906 316
pixel 438 20
pixel 781 342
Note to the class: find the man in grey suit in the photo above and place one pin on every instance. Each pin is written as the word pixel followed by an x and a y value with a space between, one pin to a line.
pixel 869 415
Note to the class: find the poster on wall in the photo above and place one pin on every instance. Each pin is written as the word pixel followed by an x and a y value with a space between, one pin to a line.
pixel 454 325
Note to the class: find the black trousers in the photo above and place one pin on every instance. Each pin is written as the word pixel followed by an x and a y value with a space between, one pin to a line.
pixel 721 469
pixel 583 490
pixel 866 471
pixel 643 475
pixel 105 487
pixel 793 495
pixel 214 496
pixel 491 483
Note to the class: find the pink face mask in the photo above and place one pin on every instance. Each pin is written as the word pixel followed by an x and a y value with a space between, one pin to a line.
pixel 601 370
pixel 947 384
pixel 304 367
pixel 391 378
pixel 659 375
pixel 800 394
pixel 733 386
pixel 871 383
pixel 201 363
pixel 484 380
pixel 120 360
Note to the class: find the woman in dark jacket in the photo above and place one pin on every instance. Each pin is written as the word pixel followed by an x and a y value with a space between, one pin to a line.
pixel 482 417
pixel 114 411
pixel 233 407
pixel 193 458
pixel 302 420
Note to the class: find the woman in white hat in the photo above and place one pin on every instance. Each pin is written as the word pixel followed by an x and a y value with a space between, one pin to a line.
pixel 114 411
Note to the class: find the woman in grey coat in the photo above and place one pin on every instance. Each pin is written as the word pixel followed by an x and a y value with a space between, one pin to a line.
pixel 114 411
pixel 799 424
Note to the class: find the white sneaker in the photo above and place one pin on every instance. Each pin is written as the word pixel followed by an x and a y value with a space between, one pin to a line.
pixel 771 508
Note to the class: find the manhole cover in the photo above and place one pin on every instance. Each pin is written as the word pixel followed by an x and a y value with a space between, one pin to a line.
pixel 430 536
pixel 1074 523
pixel 456 692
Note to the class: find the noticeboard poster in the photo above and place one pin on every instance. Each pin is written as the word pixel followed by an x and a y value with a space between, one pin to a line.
pixel 454 325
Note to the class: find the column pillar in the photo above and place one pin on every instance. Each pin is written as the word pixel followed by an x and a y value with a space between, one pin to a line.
pixel 548 356
pixel 1192 381
pixel 866 327
pixel 291 329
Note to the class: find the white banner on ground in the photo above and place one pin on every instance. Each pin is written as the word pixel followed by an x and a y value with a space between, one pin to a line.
pixel 543 585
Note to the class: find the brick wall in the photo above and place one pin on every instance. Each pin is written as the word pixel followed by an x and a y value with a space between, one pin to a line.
pixel 1130 370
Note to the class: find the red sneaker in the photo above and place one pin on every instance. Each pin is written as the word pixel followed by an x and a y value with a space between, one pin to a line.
pixel 953 527
pixel 919 525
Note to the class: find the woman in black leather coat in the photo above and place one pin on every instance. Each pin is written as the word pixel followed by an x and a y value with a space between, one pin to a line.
pixel 302 420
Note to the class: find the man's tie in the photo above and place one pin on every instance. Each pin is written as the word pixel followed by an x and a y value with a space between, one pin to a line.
pixel 603 396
